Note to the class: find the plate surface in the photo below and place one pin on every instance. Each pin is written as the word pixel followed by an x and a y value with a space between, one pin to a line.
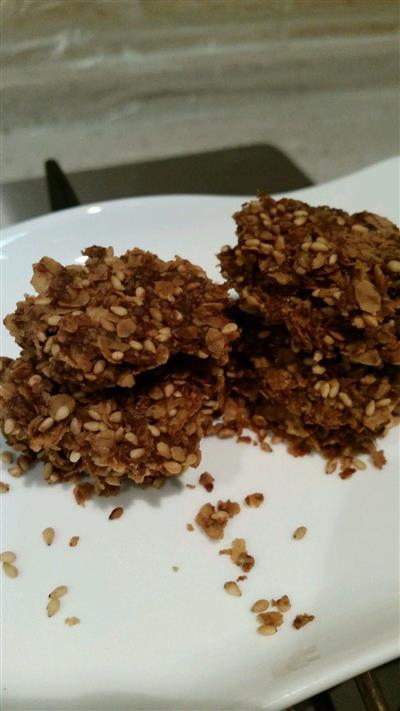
pixel 151 638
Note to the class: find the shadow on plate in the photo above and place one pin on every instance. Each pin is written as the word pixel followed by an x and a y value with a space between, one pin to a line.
pixel 129 493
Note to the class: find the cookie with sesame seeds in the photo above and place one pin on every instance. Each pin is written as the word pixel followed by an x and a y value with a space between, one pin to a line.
pixel 102 323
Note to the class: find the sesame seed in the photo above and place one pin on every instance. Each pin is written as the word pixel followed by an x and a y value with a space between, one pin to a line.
pixel 10 570
pixel 15 471
pixel 116 283
pixel 99 366
pixel 62 413
pixel 95 415
pixel 346 400
pixel 267 630
pixel 334 388
pixel 72 621
pixel 370 320
pixel 330 466
pixel 9 425
pixel 117 355
pixel 229 328
pixel 116 513
pixel 91 426
pixel 119 310
pixel 384 402
pixel 53 606
pixel 319 247
pixel 7 557
pixel 163 449
pixel 299 533
pixel 359 464
pixel 46 424
pixel 370 408
pixel 137 453
pixel 325 390
pixel 172 467
pixel 260 605
pixel 149 346
pixel 59 591
pixel 359 228
pixel 232 588
pixel 48 535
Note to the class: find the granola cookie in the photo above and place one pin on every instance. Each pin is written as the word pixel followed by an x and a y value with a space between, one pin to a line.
pixel 100 324
pixel 112 435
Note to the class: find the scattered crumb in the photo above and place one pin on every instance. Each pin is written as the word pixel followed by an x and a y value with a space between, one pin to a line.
pixel 232 588
pixel 244 440
pixel 207 481
pixel 283 603
pixel 48 535
pixel 240 578
pixel 189 527
pixel 116 513
pixel 83 492
pixel 378 458
pixel 190 486
pixel 265 446
pixel 6 457
pixel 10 570
pixel 260 606
pixel 271 618
pixel 175 568
pixel 71 621
pixel 213 520
pixel 347 472
pixel 299 533
pixel 254 500
pixel 73 541
pixel 4 488
pixel 302 620
pixel 239 555
pixel 267 630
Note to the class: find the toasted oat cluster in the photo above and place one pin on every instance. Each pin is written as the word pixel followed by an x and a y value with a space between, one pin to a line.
pixel 239 555
pixel 100 324
pixel 318 307
pixel 142 434
pixel 213 519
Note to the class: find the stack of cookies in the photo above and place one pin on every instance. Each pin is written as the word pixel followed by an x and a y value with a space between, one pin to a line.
pixel 318 306
pixel 121 368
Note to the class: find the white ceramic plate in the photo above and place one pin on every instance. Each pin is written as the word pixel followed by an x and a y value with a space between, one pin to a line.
pixel 155 639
